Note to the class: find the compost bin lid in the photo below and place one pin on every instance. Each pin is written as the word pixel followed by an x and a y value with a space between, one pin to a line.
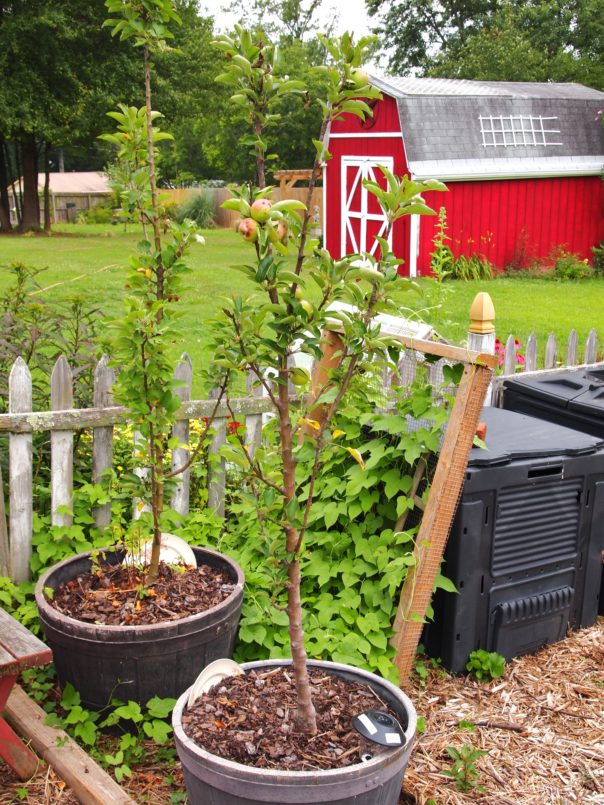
pixel 557 389
pixel 511 436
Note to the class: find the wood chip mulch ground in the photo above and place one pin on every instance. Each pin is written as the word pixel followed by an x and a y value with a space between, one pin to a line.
pixel 542 726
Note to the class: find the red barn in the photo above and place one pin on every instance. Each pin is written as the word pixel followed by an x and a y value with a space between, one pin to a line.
pixel 523 163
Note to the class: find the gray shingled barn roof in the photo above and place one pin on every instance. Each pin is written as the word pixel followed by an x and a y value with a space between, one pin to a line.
pixel 454 129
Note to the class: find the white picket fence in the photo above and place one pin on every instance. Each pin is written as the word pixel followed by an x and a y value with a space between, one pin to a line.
pixel 62 421
pixel 552 362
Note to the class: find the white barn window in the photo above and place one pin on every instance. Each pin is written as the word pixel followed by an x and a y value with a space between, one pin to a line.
pixel 501 131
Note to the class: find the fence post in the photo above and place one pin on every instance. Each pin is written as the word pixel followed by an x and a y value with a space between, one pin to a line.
pixel 61 445
pixel 20 474
pixel 180 498
pixel 481 334
pixel 102 438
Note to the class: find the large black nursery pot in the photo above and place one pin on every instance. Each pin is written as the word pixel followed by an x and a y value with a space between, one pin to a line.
pixel 211 780
pixel 137 662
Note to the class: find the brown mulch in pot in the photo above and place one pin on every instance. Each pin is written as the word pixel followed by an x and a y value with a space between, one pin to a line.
pixel 119 595
pixel 541 724
pixel 250 719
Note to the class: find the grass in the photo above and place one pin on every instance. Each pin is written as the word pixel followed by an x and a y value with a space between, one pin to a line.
pixel 90 261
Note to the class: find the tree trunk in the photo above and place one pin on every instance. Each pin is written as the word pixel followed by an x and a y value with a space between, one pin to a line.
pixel 305 717
pixel 31 201
pixel 5 225
pixel 47 220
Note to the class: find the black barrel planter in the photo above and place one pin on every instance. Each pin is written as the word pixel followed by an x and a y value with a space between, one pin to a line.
pixel 211 780
pixel 137 662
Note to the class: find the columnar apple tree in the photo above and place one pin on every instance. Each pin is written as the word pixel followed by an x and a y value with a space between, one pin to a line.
pixel 288 314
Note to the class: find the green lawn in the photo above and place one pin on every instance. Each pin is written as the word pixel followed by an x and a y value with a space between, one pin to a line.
pixel 90 261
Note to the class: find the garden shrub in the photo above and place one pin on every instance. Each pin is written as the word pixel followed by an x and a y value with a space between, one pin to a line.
pixel 598 259
pixel 444 265
pixel 199 207
pixel 98 214
pixel 567 266
pixel 472 267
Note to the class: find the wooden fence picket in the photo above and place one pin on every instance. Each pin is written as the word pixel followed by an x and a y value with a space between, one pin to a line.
pixel 217 464
pixel 20 474
pixel 509 359
pixel 4 544
pixel 530 357
pixel 253 423
pixel 591 347
pixel 572 348
pixel 181 430
pixel 551 352
pixel 61 446
pixel 102 437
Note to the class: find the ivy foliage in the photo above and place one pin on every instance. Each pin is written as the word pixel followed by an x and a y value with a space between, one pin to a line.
pixel 354 559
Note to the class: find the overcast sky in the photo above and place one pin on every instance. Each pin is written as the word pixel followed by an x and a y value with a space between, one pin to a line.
pixel 351 13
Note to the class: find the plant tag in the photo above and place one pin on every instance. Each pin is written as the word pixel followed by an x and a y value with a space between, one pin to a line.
pixel 379 727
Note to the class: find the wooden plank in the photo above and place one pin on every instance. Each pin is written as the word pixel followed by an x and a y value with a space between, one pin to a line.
pixel 19 648
pixel 440 510
pixel 102 438
pixel 180 456
pixel 61 446
pixel 20 474
pixel 117 414
pixel 89 783
pixel 459 354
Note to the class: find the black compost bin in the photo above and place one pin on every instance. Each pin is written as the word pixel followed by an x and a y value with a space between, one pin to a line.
pixel 524 549
pixel 574 399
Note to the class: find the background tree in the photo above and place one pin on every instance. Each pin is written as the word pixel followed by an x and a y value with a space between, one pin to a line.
pixel 413 32
pixel 509 40
pixel 548 41
pixel 60 73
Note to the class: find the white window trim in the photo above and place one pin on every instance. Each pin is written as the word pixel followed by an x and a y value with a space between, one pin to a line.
pixel 414 226
pixel 365 166
pixel 524 130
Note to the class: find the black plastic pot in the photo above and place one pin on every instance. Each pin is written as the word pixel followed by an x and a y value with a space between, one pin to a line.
pixel 137 662
pixel 212 780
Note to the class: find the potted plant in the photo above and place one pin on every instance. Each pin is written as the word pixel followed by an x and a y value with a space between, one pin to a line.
pixel 192 613
pixel 216 739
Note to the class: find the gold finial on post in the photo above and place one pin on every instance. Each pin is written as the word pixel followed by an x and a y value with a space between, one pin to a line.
pixel 482 314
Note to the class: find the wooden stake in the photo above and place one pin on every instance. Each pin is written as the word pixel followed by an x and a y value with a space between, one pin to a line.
pixel 436 523
pixel 90 784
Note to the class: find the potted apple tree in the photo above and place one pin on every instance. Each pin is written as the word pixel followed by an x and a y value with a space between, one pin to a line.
pixel 126 623
pixel 281 732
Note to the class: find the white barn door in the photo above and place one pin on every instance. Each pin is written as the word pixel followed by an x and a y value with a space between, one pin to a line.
pixel 362 217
